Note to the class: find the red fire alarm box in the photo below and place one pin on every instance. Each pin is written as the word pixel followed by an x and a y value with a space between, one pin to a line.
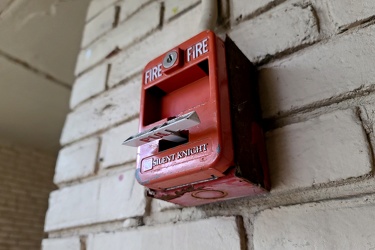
pixel 200 139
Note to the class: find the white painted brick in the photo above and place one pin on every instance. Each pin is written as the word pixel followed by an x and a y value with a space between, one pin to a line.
pixel 110 198
pixel 214 233
pixel 367 114
pixel 331 147
pixel 136 27
pixel 330 225
pixel 129 7
pixel 71 206
pixel 122 36
pixel 131 222
pixel 97 6
pixel 326 26
pixel 121 197
pixel 107 109
pixel 346 12
pixel 88 85
pixel 275 31
pixel 98 26
pixel 319 73
pixel 112 152
pixel 61 244
pixel 136 57
pixel 76 161
pixel 174 7
pixel 160 206
pixel 241 9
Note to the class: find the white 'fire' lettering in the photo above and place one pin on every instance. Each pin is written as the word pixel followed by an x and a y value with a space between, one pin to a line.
pixel 197 50
pixel 153 73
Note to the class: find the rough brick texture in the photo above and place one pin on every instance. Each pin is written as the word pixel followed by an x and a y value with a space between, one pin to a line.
pixel 307 77
pixel 108 109
pixel 308 153
pixel 330 225
pixel 96 7
pixel 316 81
pixel 112 156
pixel 358 12
pixel 286 27
pixel 184 236
pixel 241 9
pixel 173 7
pixel 98 26
pixel 111 198
pixel 88 85
pixel 122 36
pixel 128 7
pixel 76 161
pixel 62 244
pixel 25 181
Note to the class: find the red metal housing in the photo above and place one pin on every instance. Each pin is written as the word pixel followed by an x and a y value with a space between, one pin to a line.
pixel 186 153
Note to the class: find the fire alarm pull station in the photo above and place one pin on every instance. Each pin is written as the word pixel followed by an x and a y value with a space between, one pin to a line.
pixel 200 139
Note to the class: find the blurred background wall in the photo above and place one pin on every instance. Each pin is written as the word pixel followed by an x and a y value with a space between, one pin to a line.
pixel 39 43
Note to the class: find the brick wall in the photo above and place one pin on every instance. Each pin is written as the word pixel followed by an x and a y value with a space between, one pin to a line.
pixel 25 182
pixel 316 87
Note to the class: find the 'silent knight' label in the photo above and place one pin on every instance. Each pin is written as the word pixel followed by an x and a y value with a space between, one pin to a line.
pixel 148 164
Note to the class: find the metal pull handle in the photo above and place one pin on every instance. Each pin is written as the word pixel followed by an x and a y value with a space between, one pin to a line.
pixel 168 131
